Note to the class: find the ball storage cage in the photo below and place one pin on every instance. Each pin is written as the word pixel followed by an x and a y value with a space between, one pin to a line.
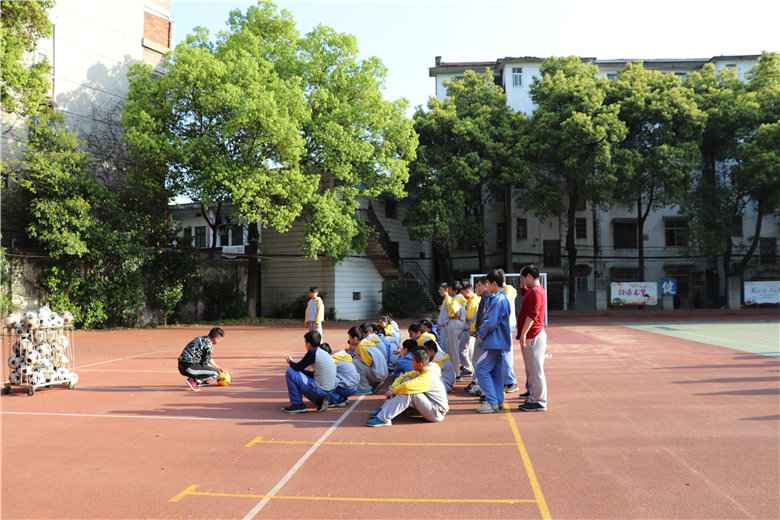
pixel 37 358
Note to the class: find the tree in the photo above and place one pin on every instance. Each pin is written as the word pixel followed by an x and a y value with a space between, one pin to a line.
pixel 654 163
pixel 572 139
pixel 284 127
pixel 757 173
pixel 24 87
pixel 465 156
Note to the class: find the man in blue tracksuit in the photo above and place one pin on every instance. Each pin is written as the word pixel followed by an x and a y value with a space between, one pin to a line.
pixel 496 339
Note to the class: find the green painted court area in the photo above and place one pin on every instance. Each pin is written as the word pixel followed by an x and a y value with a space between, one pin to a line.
pixel 755 337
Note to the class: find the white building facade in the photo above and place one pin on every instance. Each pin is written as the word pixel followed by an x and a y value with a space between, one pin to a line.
pixel 666 244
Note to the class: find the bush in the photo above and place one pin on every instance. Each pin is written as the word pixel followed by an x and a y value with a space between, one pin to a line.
pixel 405 300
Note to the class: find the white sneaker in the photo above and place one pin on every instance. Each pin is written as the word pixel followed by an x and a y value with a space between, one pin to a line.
pixel 486 407
pixel 475 390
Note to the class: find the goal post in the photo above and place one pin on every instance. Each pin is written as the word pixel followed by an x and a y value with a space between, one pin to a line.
pixel 516 285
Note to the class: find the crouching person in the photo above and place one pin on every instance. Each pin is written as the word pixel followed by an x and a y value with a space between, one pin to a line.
pixel 316 385
pixel 421 389
pixel 369 358
pixel 347 377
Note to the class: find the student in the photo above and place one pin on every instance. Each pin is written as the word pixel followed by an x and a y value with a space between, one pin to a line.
pixel 391 330
pixel 404 363
pixel 533 339
pixel 494 334
pixel 390 347
pixel 509 358
pixel 315 311
pixel 429 326
pixel 456 319
pixel 421 389
pixel 316 385
pixel 482 293
pixel 441 321
pixel 442 359
pixel 420 333
pixel 369 357
pixel 195 361
pixel 347 377
pixel 466 349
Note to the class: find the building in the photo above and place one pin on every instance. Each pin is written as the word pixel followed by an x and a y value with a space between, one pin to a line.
pixel 541 241
pixel 351 288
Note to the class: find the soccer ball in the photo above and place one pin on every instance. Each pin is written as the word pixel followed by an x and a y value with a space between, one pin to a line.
pixel 14 361
pixel 67 318
pixel 63 341
pixel 73 379
pixel 25 370
pixel 224 379
pixel 37 378
pixel 12 320
pixel 45 350
pixel 62 374
pixel 46 364
pixel 15 378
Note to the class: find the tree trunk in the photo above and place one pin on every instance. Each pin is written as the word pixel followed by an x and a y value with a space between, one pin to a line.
pixel 571 248
pixel 508 236
pixel 756 239
pixel 251 272
pixel 640 242
pixel 481 257
pixel 596 252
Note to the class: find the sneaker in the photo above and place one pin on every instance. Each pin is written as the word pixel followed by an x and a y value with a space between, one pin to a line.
pixel 487 408
pixel 482 398
pixel 340 404
pixel 475 390
pixel 508 389
pixel 466 373
pixel 376 422
pixel 469 386
pixel 524 395
pixel 193 384
pixel 295 408
pixel 368 391
pixel 532 407
pixel 323 405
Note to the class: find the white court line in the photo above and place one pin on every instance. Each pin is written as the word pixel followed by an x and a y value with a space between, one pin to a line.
pixel 297 466
pixel 168 417
pixel 121 358
pixel 122 371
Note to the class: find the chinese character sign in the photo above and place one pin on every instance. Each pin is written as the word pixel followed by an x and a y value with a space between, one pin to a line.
pixel 668 286
pixel 634 293
pixel 762 292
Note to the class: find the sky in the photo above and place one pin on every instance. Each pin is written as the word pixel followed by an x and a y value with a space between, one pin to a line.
pixel 407 34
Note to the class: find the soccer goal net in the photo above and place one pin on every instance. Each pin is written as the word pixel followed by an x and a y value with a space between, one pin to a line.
pixel 514 280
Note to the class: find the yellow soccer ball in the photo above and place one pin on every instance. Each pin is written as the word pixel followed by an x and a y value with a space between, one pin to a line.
pixel 224 379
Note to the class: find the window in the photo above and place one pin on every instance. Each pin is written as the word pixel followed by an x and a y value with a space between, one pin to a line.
pixel 500 235
pixel 237 234
pixel 391 209
pixel 676 230
pixel 356 296
pixel 200 237
pixel 582 283
pixel 767 251
pixel 517 76
pixel 187 238
pixel 224 233
pixel 521 230
pixel 612 76
pixel 736 226
pixel 552 253
pixel 581 228
pixel 624 235
pixel 731 65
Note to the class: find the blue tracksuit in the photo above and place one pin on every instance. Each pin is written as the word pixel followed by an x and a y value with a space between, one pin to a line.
pixel 496 339
pixel 402 365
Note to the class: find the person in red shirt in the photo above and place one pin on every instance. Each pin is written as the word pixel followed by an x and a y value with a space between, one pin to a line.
pixel 533 339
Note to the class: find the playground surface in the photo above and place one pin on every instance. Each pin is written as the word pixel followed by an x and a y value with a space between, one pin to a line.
pixel 651 420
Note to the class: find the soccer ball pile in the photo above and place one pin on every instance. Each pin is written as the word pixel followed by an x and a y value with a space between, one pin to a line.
pixel 39 354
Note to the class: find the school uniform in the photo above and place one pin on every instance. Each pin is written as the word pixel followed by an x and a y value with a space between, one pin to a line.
pixel 371 362
pixel 442 359
pixel 441 321
pixel 509 358
pixel 347 377
pixel 455 327
pixel 315 314
pixel 467 340
pixel 424 391
pixel 496 339
pixel 315 385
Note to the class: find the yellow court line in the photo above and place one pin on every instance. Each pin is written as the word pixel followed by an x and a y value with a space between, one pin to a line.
pixel 262 440
pixel 192 491
pixel 529 468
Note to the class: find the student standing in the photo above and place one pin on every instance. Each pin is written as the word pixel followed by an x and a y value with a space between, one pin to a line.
pixel 495 339
pixel 467 340
pixel 456 319
pixel 315 311
pixel 509 358
pixel 441 321
pixel 533 339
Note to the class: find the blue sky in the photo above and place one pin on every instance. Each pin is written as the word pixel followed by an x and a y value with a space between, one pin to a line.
pixel 408 34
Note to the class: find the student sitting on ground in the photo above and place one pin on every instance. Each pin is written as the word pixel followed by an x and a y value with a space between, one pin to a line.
pixel 316 385
pixel 388 343
pixel 391 330
pixel 347 377
pixel 404 363
pixel 421 389
pixel 442 359
pixel 195 361
pixel 369 358
pixel 421 334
